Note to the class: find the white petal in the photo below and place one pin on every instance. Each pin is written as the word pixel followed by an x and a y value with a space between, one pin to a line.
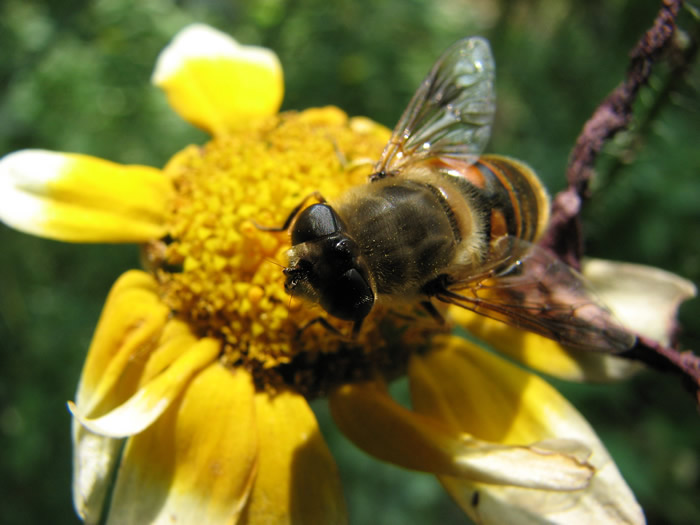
pixel 643 298
pixel 94 460
pixel 203 41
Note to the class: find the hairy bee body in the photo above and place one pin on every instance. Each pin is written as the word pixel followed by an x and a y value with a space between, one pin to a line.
pixel 414 228
pixel 509 196
pixel 440 221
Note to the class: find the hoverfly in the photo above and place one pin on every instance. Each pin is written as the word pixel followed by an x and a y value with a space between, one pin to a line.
pixel 439 221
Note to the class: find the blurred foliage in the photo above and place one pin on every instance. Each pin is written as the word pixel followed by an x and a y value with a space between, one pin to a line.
pixel 75 77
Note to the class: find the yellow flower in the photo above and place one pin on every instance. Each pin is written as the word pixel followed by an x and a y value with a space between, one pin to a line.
pixel 193 401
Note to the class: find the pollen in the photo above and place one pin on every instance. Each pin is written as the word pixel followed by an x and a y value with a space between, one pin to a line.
pixel 220 269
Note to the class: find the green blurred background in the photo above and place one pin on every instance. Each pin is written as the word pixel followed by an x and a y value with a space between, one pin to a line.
pixel 74 76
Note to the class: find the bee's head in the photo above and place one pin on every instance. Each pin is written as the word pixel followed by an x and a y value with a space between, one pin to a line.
pixel 325 265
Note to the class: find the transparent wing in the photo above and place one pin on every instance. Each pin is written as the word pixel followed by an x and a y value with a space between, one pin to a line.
pixel 450 114
pixel 538 292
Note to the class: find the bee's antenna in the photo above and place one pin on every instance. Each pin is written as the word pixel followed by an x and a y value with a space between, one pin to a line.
pixel 267 259
pixel 342 159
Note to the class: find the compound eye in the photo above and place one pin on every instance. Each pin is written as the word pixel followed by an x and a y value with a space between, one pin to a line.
pixel 314 222
pixel 351 298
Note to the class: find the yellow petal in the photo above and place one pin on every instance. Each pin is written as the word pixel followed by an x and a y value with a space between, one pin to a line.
pixel 215 83
pixel 478 392
pixel 175 340
pixel 469 389
pixel 72 197
pixel 151 400
pixel 644 299
pixel 127 333
pixel 297 481
pixel 541 353
pixel 196 463
pixel 380 426
pixel 95 455
pixel 129 327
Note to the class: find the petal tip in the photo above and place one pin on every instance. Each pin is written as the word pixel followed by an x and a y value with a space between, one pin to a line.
pixel 203 41
pixel 23 174
pixel 30 170
pixel 645 299
pixel 214 82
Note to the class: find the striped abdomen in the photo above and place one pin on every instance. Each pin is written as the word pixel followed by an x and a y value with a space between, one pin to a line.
pixel 507 193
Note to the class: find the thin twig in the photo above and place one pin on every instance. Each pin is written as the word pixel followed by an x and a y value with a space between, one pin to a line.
pixel 614 114
pixel 564 235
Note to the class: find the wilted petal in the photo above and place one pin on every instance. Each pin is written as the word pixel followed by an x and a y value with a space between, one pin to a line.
pixel 94 459
pixel 645 299
pixel 297 481
pixel 472 390
pixel 499 504
pixel 151 400
pixel 72 197
pixel 380 426
pixel 216 83
pixel 197 462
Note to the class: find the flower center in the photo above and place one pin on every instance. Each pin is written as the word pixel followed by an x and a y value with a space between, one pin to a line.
pixel 223 274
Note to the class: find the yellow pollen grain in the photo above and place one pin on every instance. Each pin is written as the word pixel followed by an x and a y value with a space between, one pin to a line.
pixel 230 283
pixel 255 294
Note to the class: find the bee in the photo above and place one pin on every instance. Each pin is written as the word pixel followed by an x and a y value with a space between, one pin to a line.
pixel 439 221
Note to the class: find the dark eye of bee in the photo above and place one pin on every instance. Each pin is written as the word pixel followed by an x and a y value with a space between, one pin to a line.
pixel 314 222
pixel 331 265
pixel 352 297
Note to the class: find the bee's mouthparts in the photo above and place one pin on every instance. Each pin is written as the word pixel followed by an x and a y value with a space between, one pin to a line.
pixel 295 274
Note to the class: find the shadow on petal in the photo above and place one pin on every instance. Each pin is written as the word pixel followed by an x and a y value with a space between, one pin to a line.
pixel 297 480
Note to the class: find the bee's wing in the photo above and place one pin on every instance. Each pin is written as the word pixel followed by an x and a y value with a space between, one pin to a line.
pixel 451 113
pixel 540 293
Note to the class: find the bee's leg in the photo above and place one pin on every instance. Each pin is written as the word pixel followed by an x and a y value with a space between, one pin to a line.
pixel 382 174
pixel 377 175
pixel 356 328
pixel 437 287
pixel 402 316
pixel 432 311
pixel 316 195
pixel 323 322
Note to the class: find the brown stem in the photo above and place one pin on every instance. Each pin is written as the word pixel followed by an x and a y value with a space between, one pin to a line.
pixel 564 235
pixel 666 359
